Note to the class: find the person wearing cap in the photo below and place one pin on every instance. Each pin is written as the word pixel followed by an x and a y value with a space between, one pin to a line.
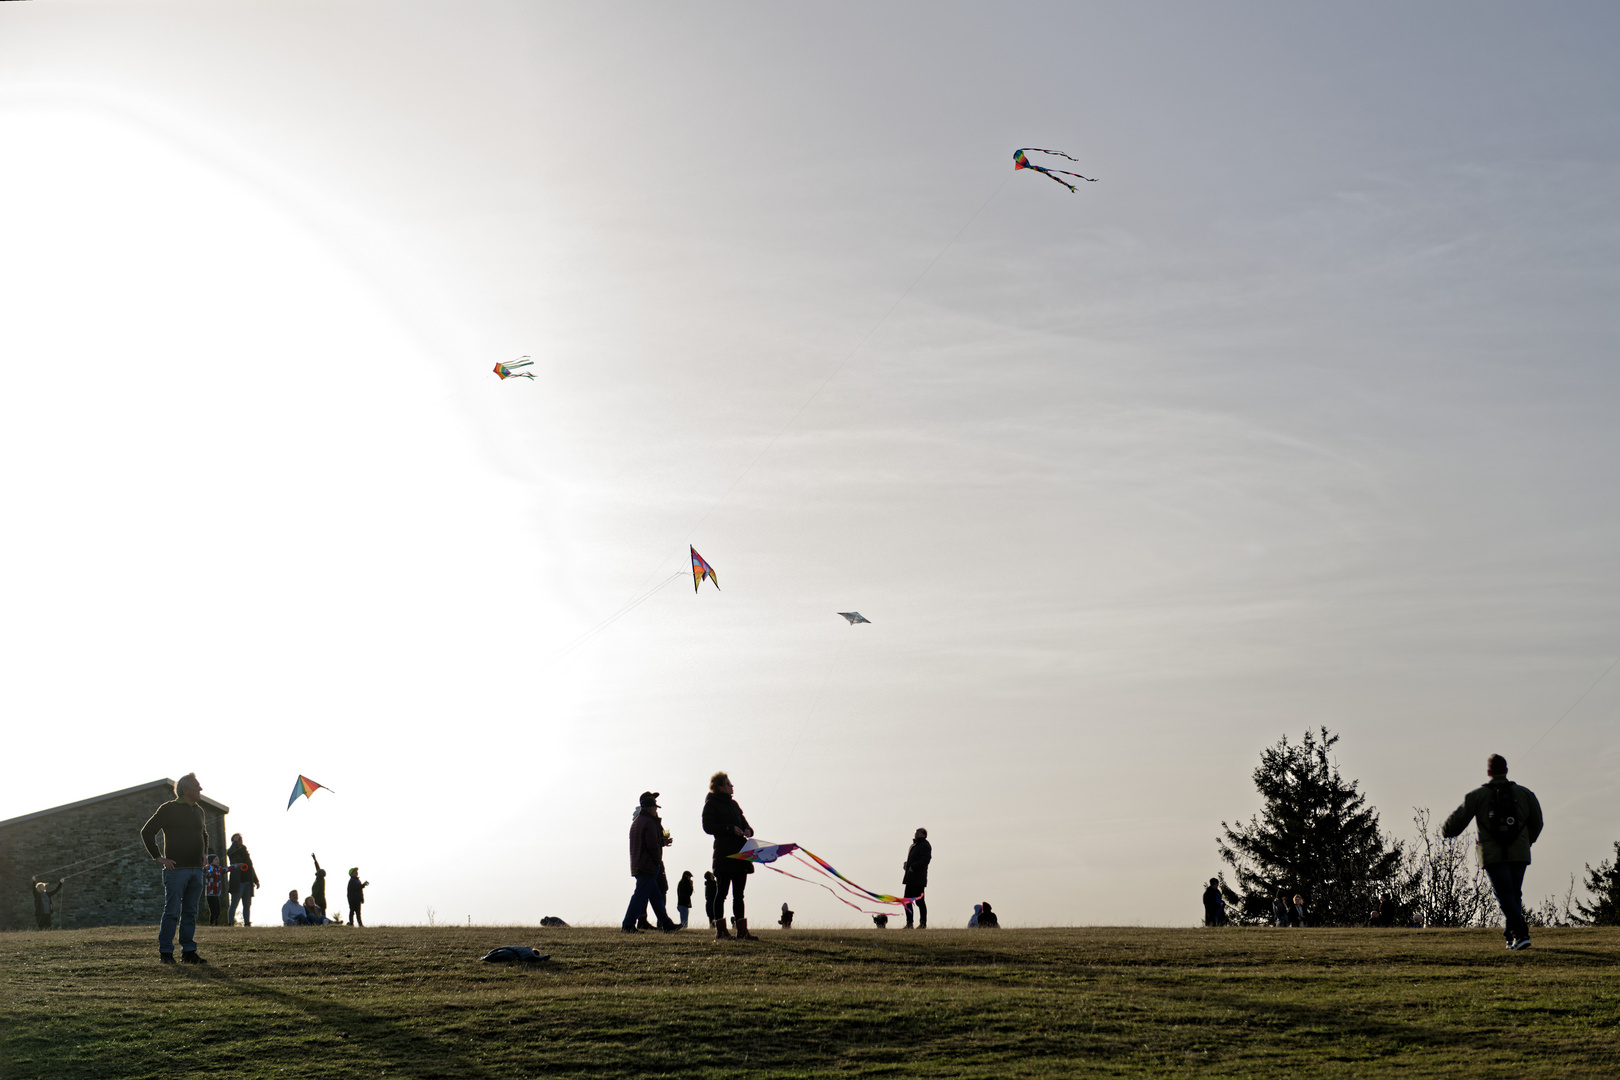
pixel 1508 819
pixel 647 843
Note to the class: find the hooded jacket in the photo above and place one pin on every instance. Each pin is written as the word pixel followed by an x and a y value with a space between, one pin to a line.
pixel 1477 804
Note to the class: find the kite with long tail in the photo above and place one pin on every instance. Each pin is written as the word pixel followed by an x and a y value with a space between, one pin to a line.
pixel 509 370
pixel 766 854
pixel 1022 162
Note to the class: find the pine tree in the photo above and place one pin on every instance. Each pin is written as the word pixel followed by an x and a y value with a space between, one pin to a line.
pixel 1604 886
pixel 1315 836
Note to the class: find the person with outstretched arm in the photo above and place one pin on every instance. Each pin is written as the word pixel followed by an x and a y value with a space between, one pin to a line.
pixel 318 890
pixel 1508 819
pixel 185 843
pixel 915 881
pixel 42 902
pixel 723 819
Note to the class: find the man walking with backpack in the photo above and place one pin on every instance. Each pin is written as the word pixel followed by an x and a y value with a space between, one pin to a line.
pixel 1509 821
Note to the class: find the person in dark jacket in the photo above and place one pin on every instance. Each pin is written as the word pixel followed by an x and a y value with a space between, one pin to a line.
pixel 317 891
pixel 723 819
pixel 1279 910
pixel 987 918
pixel 683 896
pixel 708 896
pixel 915 880
pixel 42 902
pixel 1508 820
pixel 357 896
pixel 243 879
pixel 185 843
pixel 647 843
pixel 1214 913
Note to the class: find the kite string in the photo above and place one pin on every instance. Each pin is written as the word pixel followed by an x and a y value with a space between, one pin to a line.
pixel 638 598
pixel 1572 708
pixel 792 420
pixel 805 726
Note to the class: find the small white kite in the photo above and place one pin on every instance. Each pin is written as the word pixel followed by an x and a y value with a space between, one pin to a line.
pixel 855 617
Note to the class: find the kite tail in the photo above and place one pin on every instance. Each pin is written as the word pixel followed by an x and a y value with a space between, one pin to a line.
pixel 1048 174
pixel 824 885
pixel 1054 153
pixel 851 887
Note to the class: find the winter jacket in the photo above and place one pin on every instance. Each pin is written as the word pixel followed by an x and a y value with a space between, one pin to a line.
pixel 42 902
pixel 185 834
pixel 683 891
pixel 917 860
pixel 357 892
pixel 318 890
pixel 720 815
pixel 1477 803
pixel 646 845
pixel 241 868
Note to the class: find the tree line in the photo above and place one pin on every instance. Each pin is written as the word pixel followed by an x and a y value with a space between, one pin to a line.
pixel 1317 837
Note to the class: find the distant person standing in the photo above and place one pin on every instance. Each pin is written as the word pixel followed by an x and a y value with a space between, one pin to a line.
pixel 357 896
pixel 42 902
pixel 723 819
pixel 1299 910
pixel 1508 819
pixel 317 891
pixel 708 896
pixel 213 886
pixel 683 896
pixel 915 880
pixel 647 843
pixel 243 879
pixel 1214 905
pixel 1279 910
pixel 185 840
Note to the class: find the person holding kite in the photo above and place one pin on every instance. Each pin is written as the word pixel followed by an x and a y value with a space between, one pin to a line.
pixel 723 819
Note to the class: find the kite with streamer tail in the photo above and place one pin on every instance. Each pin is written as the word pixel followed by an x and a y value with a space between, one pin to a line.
pixel 1022 162
pixel 767 854
pixel 510 370
pixel 701 570
pixel 305 787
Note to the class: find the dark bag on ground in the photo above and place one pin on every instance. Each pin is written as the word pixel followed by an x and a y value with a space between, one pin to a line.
pixel 512 954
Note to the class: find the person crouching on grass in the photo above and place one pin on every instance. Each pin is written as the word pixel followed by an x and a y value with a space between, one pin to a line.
pixel 723 819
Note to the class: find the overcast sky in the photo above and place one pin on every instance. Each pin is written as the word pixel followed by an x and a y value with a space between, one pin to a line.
pixel 1303 414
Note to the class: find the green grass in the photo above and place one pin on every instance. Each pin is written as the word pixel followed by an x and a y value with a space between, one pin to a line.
pixel 416 1002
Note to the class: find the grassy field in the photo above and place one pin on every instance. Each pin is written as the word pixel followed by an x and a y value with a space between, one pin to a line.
pixel 416 1002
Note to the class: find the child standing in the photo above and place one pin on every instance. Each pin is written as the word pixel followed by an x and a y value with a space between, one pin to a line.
pixel 213 886
pixel 683 896
pixel 357 896
pixel 708 896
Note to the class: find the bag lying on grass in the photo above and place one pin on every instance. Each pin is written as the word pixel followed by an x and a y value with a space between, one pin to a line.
pixel 510 954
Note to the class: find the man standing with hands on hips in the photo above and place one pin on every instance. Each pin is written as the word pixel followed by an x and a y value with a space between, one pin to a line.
pixel 185 843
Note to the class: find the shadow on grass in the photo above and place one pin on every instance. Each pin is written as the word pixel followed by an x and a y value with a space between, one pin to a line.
pixel 388 1042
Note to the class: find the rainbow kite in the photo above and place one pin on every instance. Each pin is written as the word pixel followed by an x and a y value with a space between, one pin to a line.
pixel 508 370
pixel 1022 162
pixel 305 787
pixel 701 570
pixel 766 854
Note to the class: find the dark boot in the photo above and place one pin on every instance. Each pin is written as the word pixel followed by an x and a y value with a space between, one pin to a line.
pixel 742 930
pixel 720 932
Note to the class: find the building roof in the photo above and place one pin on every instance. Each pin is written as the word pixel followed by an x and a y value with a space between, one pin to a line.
pixel 205 800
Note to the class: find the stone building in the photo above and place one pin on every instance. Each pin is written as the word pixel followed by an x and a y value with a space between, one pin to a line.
pixel 95 844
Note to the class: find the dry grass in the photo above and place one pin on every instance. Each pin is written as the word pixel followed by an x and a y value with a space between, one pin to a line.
pixel 416 1002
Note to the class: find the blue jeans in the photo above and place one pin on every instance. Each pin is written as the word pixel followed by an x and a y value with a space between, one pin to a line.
pixel 242 892
pixel 1507 879
pixel 182 891
pixel 646 890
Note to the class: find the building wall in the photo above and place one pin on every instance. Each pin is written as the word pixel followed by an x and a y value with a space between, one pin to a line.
pixel 128 890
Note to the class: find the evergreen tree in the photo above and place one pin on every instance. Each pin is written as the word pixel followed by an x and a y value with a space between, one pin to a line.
pixel 1315 836
pixel 1604 886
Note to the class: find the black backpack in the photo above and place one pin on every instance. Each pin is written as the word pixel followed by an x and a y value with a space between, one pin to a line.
pixel 1503 820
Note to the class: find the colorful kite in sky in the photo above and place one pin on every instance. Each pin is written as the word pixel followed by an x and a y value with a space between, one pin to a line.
pixel 854 617
pixel 510 369
pixel 1022 162
pixel 701 570
pixel 305 787
pixel 766 854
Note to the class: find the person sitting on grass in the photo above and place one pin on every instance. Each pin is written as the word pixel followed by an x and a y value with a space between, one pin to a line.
pixel 987 918
pixel 786 921
pixel 973 920
pixel 312 911
pixel 292 912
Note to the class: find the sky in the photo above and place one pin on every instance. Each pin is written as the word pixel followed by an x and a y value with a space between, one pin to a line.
pixel 1302 415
